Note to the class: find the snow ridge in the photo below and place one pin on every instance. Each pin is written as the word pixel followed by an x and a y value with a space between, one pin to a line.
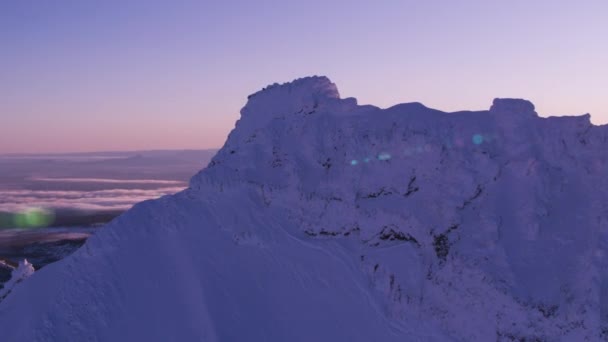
pixel 23 271
pixel 324 220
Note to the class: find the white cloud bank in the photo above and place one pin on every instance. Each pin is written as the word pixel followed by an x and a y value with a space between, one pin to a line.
pixel 111 199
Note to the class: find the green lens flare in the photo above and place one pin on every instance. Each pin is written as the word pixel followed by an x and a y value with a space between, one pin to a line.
pixel 33 218
pixel 19 220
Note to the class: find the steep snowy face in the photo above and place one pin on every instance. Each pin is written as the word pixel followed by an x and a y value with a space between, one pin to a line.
pixel 323 220
pixel 501 215
pixel 275 100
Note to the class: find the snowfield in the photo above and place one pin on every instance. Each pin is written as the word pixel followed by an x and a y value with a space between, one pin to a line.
pixel 323 220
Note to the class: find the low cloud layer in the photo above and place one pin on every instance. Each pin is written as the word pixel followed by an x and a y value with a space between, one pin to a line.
pixel 88 188
pixel 106 180
pixel 111 199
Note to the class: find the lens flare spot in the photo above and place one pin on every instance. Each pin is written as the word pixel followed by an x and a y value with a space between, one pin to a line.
pixel 366 160
pixel 354 162
pixel 384 156
pixel 477 139
pixel 19 220
pixel 33 218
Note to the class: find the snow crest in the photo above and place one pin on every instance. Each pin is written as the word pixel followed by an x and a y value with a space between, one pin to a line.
pixel 324 220
pixel 23 271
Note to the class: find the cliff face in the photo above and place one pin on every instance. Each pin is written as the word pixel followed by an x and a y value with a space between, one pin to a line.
pixel 323 220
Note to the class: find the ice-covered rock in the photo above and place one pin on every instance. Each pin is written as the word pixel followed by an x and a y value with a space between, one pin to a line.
pixel 323 220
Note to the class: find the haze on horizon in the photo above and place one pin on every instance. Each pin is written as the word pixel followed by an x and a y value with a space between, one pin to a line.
pixel 81 76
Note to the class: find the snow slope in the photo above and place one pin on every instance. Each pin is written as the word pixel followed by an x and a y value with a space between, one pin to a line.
pixel 323 220
pixel 23 270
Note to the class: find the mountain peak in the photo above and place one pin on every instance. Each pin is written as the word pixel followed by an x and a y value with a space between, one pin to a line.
pixel 318 85
pixel 513 106
pixel 302 96
pixel 277 99
pixel 406 223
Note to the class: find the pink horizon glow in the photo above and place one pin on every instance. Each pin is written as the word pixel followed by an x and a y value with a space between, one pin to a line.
pixel 90 76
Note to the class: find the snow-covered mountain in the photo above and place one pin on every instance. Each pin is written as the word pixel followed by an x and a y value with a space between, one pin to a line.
pixel 323 220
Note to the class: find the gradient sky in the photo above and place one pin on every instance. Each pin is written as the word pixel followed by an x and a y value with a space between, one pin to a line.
pixel 123 75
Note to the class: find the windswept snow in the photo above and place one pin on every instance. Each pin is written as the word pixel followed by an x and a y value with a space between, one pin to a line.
pixel 23 270
pixel 323 220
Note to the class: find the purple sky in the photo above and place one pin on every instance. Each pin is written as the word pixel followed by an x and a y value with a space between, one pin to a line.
pixel 123 75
